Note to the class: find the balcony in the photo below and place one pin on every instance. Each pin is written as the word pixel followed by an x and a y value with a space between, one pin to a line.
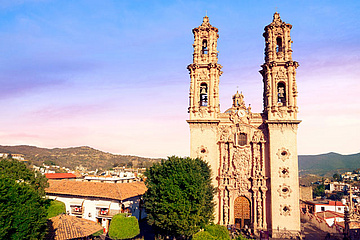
pixel 105 212
pixel 76 210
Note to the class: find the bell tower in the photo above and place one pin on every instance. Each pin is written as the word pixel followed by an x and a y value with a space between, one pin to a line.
pixel 278 71
pixel 204 73
pixel 204 109
pixel 280 116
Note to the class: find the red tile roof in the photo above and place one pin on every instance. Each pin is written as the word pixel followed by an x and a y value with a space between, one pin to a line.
pixel 118 191
pixel 59 175
pixel 328 203
pixel 64 227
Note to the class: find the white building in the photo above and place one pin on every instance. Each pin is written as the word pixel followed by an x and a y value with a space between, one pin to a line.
pixel 112 179
pixel 322 206
pixel 98 201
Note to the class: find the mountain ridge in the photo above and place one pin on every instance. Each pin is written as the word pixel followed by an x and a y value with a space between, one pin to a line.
pixel 325 164
pixel 72 157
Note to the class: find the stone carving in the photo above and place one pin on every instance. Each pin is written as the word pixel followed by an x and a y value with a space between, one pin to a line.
pixel 242 168
pixel 281 111
pixel 203 112
pixel 284 190
pixel 276 20
pixel 285 210
pixel 284 172
pixel 226 207
pixel 280 75
pixel 259 211
pixel 225 134
pixel 283 154
pixel 234 117
pixel 258 136
pixel 202 152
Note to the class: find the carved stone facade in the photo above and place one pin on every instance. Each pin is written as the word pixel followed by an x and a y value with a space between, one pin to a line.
pixel 253 156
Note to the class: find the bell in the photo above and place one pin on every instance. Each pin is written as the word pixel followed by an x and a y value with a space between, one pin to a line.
pixel 203 91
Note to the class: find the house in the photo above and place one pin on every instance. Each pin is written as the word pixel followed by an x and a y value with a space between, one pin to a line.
pixel 337 187
pixel 331 217
pixel 110 179
pixel 315 207
pixel 98 201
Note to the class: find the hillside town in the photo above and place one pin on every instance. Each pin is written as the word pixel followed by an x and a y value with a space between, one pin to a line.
pixel 99 195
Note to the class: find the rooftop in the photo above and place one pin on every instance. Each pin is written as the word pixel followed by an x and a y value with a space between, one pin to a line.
pixel 69 227
pixel 118 191
pixel 325 202
pixel 59 175
pixel 330 214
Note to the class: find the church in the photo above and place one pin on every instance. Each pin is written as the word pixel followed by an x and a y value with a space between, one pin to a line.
pixel 253 156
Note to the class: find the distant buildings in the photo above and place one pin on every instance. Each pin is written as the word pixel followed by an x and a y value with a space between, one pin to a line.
pixel 355 176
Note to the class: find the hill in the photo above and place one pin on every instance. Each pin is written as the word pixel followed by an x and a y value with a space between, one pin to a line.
pixel 319 165
pixel 328 164
pixel 77 156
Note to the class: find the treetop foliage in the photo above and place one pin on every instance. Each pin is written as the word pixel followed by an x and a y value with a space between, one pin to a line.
pixel 179 199
pixel 18 171
pixel 22 203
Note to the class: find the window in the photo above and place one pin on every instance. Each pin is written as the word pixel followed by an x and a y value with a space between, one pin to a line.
pixel 322 209
pixel 279 44
pixel 281 93
pixel 205 47
pixel 203 94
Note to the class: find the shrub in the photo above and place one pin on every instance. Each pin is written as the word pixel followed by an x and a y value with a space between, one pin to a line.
pixel 203 235
pixel 122 227
pixel 241 237
pixel 56 208
pixel 218 231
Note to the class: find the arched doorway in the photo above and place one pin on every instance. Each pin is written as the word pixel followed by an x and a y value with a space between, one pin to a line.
pixel 242 212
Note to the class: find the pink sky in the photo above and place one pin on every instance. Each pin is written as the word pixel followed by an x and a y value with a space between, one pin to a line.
pixel 112 74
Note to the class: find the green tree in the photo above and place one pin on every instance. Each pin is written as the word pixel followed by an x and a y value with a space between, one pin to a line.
pixel 319 190
pixel 179 199
pixel 19 172
pixel 23 208
pixel 56 207
pixel 123 227
pixel 336 177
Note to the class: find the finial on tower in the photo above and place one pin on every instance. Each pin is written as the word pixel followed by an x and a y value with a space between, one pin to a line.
pixel 205 20
pixel 276 18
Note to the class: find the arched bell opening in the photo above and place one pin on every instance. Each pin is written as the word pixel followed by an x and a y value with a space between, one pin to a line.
pixel 281 93
pixel 279 45
pixel 203 94
pixel 205 47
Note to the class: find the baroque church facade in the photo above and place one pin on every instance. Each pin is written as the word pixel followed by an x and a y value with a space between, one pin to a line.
pixel 253 156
